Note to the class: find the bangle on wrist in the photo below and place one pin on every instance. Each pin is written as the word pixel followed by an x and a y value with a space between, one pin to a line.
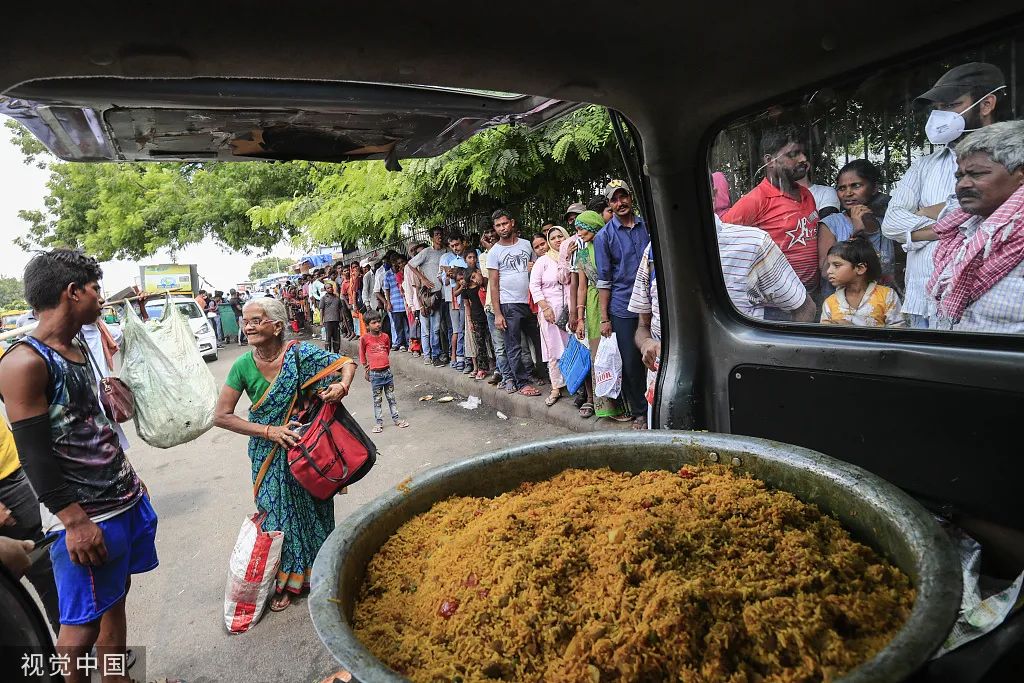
pixel 266 433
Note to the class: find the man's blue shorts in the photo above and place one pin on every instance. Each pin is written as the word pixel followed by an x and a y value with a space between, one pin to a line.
pixel 85 593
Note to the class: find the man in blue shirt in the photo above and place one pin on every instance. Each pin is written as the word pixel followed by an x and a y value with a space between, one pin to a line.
pixel 618 249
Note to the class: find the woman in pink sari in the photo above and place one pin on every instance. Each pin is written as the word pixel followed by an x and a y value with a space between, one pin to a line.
pixel 551 294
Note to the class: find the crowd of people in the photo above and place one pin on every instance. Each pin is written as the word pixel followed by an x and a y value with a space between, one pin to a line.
pixel 497 306
pixel 955 214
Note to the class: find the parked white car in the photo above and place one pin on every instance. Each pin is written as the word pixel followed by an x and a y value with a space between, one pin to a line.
pixel 202 328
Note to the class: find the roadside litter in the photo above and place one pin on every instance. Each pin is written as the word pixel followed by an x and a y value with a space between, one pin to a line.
pixel 471 403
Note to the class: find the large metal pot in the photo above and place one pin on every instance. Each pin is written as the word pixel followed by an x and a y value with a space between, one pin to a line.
pixel 876 512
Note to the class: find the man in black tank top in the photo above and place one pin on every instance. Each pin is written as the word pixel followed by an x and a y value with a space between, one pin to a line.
pixel 72 457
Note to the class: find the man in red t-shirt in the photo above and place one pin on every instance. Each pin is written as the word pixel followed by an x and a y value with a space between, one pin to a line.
pixel 782 207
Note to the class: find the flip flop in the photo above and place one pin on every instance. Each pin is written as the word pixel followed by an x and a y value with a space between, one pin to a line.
pixel 276 604
pixel 529 390
pixel 640 423
pixel 552 399
pixel 401 423
pixel 587 410
pixel 377 429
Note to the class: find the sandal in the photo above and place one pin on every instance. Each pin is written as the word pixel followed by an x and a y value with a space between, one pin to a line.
pixel 552 399
pixel 280 603
pixel 640 423
pixel 377 429
pixel 481 375
pixel 401 423
pixel 339 676
pixel 587 410
pixel 529 390
pixel 510 388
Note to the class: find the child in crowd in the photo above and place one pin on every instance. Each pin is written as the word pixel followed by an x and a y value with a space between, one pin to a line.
pixel 854 269
pixel 476 298
pixel 374 350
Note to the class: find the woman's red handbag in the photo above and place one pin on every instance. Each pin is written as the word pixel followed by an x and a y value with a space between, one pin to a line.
pixel 332 452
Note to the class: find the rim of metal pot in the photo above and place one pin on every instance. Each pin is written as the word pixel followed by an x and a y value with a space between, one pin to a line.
pixel 938 581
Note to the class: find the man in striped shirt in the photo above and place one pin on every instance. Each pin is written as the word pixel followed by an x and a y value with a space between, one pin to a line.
pixel 756 275
pixel 926 190
pixel 783 208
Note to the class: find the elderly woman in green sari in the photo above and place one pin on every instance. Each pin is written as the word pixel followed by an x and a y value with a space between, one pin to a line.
pixel 279 378
pixel 588 308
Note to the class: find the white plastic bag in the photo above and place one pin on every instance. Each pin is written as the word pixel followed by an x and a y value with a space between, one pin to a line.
pixel 252 572
pixel 608 368
pixel 175 393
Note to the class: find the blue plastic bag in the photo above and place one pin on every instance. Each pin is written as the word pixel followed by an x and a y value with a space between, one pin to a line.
pixel 574 364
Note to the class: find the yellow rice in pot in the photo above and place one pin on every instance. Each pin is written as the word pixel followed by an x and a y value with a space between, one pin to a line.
pixel 593 575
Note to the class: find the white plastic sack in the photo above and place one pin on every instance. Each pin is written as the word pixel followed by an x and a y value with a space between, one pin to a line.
pixel 175 393
pixel 608 368
pixel 252 572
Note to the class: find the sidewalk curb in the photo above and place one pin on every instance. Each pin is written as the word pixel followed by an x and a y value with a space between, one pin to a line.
pixel 563 413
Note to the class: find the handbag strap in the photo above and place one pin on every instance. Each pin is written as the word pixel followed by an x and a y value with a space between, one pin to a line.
pixel 87 352
pixel 265 467
pixel 299 387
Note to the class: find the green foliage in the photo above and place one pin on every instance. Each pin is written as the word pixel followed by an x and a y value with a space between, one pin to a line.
pixel 34 151
pixel 263 267
pixel 12 293
pixel 132 210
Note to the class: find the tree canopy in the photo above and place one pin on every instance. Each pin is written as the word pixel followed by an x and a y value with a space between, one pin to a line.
pixel 12 293
pixel 132 210
pixel 263 267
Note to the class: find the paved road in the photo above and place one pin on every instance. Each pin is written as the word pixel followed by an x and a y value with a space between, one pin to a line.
pixel 202 491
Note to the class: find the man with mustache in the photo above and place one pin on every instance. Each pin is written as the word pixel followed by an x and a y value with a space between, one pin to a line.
pixel 978 279
pixel 618 249
pixel 967 97
pixel 783 208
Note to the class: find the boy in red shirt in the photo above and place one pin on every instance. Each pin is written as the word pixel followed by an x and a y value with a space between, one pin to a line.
pixel 374 350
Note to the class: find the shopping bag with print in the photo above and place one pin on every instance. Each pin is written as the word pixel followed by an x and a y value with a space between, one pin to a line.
pixel 608 368
pixel 252 573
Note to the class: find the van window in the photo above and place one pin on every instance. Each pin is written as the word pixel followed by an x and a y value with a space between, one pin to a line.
pixel 189 308
pixel 893 199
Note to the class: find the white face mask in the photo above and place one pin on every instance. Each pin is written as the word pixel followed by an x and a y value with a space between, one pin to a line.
pixel 944 127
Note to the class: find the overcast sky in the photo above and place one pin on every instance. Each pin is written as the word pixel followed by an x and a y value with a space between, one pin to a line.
pixel 23 187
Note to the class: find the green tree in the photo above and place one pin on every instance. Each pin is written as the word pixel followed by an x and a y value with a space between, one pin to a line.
pixel 12 293
pixel 263 267
pixel 133 210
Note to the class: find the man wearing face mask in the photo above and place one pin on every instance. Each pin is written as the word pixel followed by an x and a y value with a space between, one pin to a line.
pixel 966 98
pixel 784 208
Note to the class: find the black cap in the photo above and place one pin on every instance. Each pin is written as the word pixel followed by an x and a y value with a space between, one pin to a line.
pixel 961 79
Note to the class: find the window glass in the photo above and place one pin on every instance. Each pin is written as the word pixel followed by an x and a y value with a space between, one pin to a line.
pixel 189 308
pixel 891 200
